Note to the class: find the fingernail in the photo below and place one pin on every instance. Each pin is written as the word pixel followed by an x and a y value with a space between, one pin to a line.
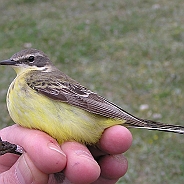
pixel 84 154
pixel 56 148
pixel 23 172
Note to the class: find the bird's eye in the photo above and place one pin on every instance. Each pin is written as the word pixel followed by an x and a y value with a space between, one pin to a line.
pixel 31 58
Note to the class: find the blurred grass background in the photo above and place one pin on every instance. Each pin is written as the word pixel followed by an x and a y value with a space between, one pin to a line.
pixel 129 51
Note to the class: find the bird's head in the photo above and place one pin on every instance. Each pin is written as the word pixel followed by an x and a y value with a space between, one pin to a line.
pixel 29 59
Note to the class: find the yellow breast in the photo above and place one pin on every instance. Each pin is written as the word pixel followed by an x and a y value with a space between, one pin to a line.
pixel 62 121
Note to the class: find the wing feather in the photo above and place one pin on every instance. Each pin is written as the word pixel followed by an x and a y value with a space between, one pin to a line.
pixel 61 87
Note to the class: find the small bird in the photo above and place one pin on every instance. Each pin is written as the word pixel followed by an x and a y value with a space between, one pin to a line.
pixel 44 98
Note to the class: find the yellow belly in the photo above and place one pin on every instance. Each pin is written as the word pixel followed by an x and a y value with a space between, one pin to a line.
pixel 63 122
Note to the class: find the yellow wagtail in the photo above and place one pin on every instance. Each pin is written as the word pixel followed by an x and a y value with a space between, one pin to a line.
pixel 44 98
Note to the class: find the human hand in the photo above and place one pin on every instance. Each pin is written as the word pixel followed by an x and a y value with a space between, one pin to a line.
pixel 43 156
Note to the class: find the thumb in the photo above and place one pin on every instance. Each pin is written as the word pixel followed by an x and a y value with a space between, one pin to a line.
pixel 23 172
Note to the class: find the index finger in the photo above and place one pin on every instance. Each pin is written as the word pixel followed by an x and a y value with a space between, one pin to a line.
pixel 42 149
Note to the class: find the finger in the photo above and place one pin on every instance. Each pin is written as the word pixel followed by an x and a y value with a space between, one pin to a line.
pixel 115 140
pixel 23 171
pixel 6 161
pixel 42 149
pixel 104 180
pixel 113 166
pixel 81 167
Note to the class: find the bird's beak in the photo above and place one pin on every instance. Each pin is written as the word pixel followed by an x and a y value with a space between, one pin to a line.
pixel 8 62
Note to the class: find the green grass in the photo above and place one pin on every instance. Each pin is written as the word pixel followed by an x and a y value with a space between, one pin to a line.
pixel 129 51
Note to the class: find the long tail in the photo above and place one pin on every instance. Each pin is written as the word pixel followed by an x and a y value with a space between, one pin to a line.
pixel 152 125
